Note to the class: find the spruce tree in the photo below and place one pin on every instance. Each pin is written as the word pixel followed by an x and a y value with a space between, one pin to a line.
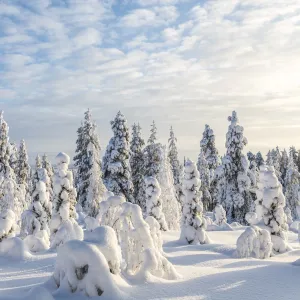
pixel 208 147
pixel 284 162
pixel 259 159
pixel 50 172
pixel 38 162
pixel 292 187
pixel 13 160
pixel 177 168
pixel 234 182
pixel 152 138
pixel 137 162
pixel 116 167
pixel 90 188
pixel 203 169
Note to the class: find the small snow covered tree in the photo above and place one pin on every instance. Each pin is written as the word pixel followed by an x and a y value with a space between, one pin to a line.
pixel 38 215
pixel 292 187
pixel 177 168
pixel 284 162
pixel 13 156
pixel 63 226
pixel 153 136
pixel 193 223
pixel 89 174
pixel 219 215
pixel 153 202
pixel 259 159
pixel 38 161
pixel 203 169
pixel 137 163
pixel 116 167
pixel 273 204
pixel 234 182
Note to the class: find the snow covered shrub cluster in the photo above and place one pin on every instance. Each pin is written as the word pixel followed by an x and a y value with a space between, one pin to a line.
pixel 140 252
pixel 220 215
pixel 63 226
pixel 193 223
pixel 272 205
pixel 153 202
pixel 254 242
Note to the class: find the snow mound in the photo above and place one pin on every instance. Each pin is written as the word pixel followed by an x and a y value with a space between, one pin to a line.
pixel 254 242
pixel 81 267
pixel 62 158
pixel 37 293
pixel 37 242
pixel 13 248
pixel 105 239
pixel 8 225
pixel 91 223
pixel 66 231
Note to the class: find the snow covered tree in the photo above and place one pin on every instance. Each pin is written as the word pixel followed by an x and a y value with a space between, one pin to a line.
pixel 152 138
pixel 38 215
pixel 203 169
pixel 177 168
pixel 292 187
pixel 89 183
pixel 137 162
pixel 116 167
pixel 259 159
pixel 153 202
pixel 273 204
pixel 251 157
pixel 11 196
pixel 13 156
pixel 50 172
pixel 193 223
pixel 284 162
pixel 38 162
pixel 234 182
pixel 63 226
pixel 170 204
pixel 23 168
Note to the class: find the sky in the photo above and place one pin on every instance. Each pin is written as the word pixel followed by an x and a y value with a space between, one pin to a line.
pixel 183 63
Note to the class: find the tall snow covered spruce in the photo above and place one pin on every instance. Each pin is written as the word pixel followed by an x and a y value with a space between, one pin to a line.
pixel 153 202
pixel 193 223
pixel 137 163
pixel 273 204
pixel 211 155
pixel 50 172
pixel 177 168
pixel 63 226
pixel 292 187
pixel 204 172
pixel 90 187
pixel 234 182
pixel 116 167
pixel 11 196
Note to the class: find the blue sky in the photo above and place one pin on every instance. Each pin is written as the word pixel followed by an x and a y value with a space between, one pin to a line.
pixel 183 63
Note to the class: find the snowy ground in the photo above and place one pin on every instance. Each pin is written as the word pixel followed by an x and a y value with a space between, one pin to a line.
pixel 208 272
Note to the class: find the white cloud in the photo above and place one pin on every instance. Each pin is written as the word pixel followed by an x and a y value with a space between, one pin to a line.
pixel 87 37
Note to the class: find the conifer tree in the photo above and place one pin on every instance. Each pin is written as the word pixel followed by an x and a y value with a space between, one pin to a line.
pixel 259 159
pixel 153 136
pixel 10 196
pixel 292 187
pixel 13 160
pixel 137 162
pixel 38 162
pixel 177 168
pixel 284 162
pixel 234 182
pixel 193 223
pixel 203 169
pixel 49 169
pixel 116 167
pixel 90 188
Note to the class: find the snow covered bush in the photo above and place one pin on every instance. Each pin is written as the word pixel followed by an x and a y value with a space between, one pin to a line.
pixel 254 242
pixel 37 242
pixel 193 223
pixel 273 204
pixel 155 233
pixel 116 167
pixel 105 239
pixel 38 215
pixel 234 184
pixel 8 225
pixel 219 215
pixel 81 267
pixel 153 202
pixel 139 250
pixel 63 226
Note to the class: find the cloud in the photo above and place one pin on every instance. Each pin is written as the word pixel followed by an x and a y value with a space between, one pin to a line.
pixel 174 61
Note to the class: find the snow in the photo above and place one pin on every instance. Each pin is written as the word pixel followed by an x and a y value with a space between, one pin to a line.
pixel 207 272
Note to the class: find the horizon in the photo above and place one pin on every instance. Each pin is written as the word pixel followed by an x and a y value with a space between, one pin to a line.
pixel 182 63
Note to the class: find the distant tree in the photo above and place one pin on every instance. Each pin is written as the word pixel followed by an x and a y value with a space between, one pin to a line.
pixel 259 159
